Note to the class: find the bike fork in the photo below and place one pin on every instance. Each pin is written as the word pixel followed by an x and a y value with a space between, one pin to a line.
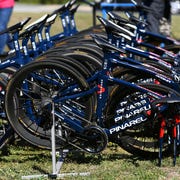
pixel 161 138
pixel 176 137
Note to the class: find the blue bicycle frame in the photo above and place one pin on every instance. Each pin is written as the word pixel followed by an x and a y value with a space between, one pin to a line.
pixel 103 79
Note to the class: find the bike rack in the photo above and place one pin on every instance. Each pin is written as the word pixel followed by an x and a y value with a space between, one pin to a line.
pixel 56 165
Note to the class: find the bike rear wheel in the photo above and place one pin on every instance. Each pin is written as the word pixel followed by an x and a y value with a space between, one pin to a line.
pixel 30 93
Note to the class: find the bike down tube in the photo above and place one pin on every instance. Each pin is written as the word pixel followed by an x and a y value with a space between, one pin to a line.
pixel 9 63
pixel 74 124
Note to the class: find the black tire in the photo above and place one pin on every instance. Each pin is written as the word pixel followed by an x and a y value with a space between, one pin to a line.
pixel 91 62
pixel 83 48
pixel 68 60
pixel 24 107
pixel 6 131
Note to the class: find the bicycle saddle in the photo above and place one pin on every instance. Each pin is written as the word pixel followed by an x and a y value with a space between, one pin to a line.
pixel 70 3
pixel 113 28
pixel 117 18
pixel 38 21
pixel 50 20
pixel 59 10
pixel 33 27
pixel 105 45
pixel 134 19
pixel 122 21
pixel 73 10
pixel 17 27
pixel 64 8
pixel 141 7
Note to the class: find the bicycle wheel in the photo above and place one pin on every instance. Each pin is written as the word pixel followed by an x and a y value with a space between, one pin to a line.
pixel 30 94
pixel 6 131
pixel 83 47
pixel 88 60
pixel 140 140
pixel 68 60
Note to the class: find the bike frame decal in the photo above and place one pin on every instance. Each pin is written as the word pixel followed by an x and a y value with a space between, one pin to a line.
pixel 100 89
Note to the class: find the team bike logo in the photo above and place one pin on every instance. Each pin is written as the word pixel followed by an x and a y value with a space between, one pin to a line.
pixel 131 112
pixel 125 125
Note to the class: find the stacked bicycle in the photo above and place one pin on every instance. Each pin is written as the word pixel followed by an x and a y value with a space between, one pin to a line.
pixel 119 93
pixel 32 41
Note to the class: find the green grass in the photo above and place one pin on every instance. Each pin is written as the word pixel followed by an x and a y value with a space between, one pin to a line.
pixel 111 164
pixel 175 26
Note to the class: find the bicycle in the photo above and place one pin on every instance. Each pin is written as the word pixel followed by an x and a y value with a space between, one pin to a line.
pixel 40 78
pixel 25 53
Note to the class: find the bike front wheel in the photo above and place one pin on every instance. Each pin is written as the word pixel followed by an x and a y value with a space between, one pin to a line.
pixel 142 139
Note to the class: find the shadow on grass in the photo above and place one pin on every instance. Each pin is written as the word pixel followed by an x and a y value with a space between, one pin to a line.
pixel 97 159
pixel 23 152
